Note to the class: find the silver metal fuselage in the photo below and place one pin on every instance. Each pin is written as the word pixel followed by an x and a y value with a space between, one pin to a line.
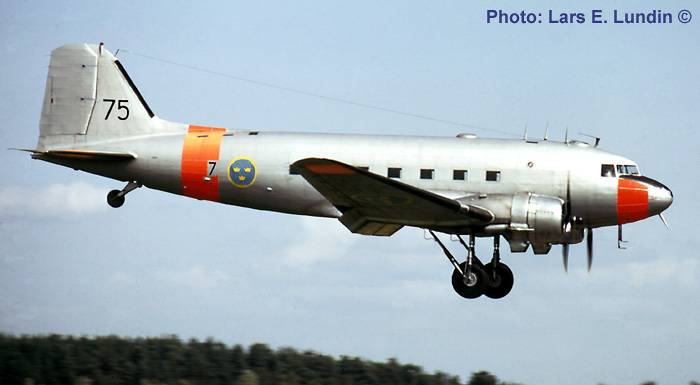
pixel 525 166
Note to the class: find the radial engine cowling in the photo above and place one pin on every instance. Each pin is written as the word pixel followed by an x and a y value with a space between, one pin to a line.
pixel 527 218
pixel 538 218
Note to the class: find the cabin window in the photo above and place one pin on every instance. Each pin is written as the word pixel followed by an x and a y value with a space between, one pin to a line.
pixel 607 170
pixel 493 176
pixel 459 174
pixel 394 172
pixel 427 173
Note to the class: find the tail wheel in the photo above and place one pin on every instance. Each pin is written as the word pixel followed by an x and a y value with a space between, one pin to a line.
pixel 472 286
pixel 114 199
pixel 500 280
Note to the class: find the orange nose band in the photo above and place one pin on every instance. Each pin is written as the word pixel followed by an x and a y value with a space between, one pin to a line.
pixel 632 201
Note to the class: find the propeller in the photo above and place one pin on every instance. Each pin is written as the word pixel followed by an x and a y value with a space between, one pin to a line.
pixel 589 244
pixel 566 225
pixel 567 228
pixel 565 246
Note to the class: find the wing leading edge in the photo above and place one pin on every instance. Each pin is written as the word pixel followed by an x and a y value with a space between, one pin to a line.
pixel 376 205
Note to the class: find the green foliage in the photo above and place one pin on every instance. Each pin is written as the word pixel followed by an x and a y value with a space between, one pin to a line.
pixel 112 360
pixel 483 378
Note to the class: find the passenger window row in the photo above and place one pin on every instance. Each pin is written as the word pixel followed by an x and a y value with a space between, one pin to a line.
pixel 429 173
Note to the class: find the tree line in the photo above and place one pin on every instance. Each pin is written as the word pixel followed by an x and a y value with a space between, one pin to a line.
pixel 112 360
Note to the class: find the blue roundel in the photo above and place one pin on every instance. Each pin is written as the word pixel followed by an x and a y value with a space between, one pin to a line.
pixel 242 172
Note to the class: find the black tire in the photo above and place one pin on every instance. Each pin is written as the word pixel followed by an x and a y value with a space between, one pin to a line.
pixel 473 289
pixel 114 200
pixel 500 283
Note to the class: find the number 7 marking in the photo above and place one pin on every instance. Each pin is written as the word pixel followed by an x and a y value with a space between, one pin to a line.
pixel 112 101
pixel 212 164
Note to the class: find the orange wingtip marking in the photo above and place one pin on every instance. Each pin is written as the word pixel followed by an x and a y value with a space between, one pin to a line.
pixel 328 169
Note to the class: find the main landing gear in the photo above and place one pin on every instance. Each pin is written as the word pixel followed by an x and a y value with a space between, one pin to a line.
pixel 115 198
pixel 472 278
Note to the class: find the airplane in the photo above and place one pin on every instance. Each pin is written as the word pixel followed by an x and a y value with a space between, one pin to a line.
pixel 535 193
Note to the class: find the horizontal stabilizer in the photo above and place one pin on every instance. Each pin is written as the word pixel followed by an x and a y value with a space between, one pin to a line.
pixel 103 156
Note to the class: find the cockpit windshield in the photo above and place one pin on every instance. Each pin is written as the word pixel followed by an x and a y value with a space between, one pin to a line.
pixel 608 170
pixel 627 170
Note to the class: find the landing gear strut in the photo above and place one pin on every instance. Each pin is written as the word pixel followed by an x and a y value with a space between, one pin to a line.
pixel 115 198
pixel 472 278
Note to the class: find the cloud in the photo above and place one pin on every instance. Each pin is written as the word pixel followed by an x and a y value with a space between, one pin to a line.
pixel 55 201
pixel 318 239
pixel 682 272
pixel 194 277
pixel 121 280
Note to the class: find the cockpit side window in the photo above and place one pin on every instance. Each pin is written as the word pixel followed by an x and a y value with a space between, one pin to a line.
pixel 607 170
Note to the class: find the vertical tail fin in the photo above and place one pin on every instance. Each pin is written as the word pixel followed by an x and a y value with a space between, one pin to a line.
pixel 89 97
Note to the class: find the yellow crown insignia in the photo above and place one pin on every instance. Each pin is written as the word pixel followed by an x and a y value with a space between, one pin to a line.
pixel 236 169
pixel 247 169
pixel 241 178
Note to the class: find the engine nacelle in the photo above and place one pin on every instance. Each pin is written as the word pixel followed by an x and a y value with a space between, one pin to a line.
pixel 537 219
pixel 527 218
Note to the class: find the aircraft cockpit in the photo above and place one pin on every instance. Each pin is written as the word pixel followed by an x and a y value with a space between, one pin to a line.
pixel 608 170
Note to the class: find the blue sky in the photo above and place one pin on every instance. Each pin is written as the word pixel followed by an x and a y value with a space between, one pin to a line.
pixel 167 264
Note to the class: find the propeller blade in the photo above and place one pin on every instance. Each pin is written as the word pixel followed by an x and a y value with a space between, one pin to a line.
pixel 664 221
pixel 566 225
pixel 589 242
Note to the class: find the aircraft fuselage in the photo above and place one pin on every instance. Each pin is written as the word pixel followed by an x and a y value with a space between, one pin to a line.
pixel 455 167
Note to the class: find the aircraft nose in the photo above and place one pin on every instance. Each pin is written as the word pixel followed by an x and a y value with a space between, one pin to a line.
pixel 660 197
pixel 639 197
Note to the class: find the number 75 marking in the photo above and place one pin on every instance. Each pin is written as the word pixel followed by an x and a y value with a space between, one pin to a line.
pixel 121 105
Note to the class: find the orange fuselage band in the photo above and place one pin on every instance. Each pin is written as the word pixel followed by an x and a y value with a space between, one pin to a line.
pixel 200 154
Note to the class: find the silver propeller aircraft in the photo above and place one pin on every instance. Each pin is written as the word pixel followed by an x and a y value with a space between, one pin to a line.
pixel 531 192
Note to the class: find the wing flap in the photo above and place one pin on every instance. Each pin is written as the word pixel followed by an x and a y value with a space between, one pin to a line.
pixel 377 205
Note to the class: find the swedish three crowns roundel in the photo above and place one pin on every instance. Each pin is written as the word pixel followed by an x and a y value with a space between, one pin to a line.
pixel 242 172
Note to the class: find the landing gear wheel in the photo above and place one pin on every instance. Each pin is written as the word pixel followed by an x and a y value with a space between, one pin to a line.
pixel 500 280
pixel 114 199
pixel 475 284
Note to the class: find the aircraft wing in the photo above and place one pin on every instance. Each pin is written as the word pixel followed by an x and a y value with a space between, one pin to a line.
pixel 376 205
